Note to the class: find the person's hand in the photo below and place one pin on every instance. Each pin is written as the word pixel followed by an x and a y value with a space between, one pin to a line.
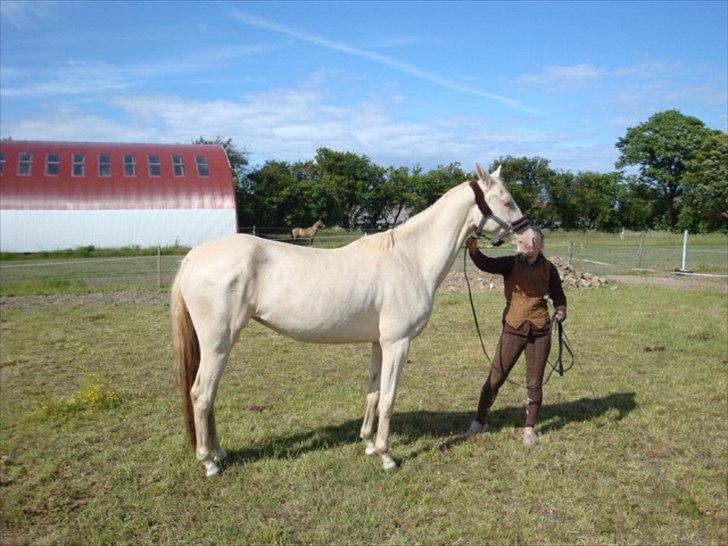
pixel 560 315
pixel 472 244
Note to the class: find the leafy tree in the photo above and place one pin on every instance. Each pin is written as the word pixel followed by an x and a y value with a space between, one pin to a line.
pixel 705 186
pixel 532 183
pixel 593 200
pixel 343 180
pixel 636 203
pixel 428 187
pixel 272 199
pixel 662 147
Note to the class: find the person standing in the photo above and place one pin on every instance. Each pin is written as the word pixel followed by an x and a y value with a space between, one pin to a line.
pixel 527 280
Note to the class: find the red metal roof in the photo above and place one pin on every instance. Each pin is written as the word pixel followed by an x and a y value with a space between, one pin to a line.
pixel 64 190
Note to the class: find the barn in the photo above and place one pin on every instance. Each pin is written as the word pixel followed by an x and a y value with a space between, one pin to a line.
pixel 58 195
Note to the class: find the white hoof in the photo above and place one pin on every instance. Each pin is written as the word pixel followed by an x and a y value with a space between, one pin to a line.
pixel 211 468
pixel 388 463
pixel 369 449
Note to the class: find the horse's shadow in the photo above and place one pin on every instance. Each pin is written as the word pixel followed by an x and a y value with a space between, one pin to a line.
pixel 445 425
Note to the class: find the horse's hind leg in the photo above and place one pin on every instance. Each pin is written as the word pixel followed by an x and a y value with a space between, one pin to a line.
pixel 220 454
pixel 367 427
pixel 204 389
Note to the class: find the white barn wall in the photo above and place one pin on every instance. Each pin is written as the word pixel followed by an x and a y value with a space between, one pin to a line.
pixel 39 230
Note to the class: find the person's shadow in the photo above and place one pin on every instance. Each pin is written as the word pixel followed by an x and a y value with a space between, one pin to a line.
pixel 447 426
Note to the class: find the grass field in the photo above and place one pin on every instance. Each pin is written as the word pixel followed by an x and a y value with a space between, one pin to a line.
pixel 91 270
pixel 634 440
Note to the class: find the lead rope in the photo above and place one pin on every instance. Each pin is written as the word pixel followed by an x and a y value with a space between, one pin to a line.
pixel 563 341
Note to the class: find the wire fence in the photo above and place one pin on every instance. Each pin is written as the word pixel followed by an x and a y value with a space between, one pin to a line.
pixel 597 253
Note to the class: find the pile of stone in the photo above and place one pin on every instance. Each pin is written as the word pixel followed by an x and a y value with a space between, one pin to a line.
pixel 571 278
pixel 479 280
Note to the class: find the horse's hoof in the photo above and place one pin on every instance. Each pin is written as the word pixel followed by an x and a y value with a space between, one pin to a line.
pixel 370 450
pixel 212 469
pixel 390 466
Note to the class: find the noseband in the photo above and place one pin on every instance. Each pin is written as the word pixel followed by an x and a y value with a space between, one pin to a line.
pixel 507 228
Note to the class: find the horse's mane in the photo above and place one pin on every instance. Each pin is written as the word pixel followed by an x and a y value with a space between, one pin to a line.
pixel 380 242
pixel 385 241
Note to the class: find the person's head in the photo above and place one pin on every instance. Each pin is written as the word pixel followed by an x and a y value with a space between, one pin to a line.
pixel 535 244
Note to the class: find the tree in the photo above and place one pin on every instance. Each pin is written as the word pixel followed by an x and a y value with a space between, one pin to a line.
pixel 343 180
pixel 593 200
pixel 429 187
pixel 635 204
pixel 705 187
pixel 662 147
pixel 531 181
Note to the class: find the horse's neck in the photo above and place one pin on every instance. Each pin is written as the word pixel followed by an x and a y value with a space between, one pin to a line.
pixel 432 238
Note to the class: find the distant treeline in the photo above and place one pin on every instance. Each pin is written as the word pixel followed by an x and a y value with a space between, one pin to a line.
pixel 681 183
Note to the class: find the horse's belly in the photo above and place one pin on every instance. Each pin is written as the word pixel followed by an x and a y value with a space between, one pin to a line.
pixel 335 333
pixel 352 329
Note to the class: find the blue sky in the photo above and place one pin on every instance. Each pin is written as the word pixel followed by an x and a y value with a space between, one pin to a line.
pixel 403 82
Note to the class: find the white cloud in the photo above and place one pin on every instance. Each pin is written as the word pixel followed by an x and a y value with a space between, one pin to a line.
pixel 290 124
pixel 84 76
pixel 28 14
pixel 554 78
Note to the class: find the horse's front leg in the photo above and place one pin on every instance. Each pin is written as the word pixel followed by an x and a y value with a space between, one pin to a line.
pixel 367 427
pixel 394 355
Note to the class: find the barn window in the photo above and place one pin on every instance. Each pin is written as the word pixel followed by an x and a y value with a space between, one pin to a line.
pixel 24 165
pixel 52 164
pixel 2 163
pixel 104 165
pixel 202 169
pixel 129 165
pixel 154 167
pixel 178 165
pixel 79 165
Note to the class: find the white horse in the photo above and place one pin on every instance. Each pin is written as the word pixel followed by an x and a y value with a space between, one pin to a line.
pixel 378 289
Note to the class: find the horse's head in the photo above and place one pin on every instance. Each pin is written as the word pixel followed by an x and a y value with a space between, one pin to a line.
pixel 505 222
pixel 319 224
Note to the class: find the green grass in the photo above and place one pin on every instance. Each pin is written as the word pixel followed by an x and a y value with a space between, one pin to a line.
pixel 633 443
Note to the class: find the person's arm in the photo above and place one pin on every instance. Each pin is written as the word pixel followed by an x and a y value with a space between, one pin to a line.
pixel 498 266
pixel 556 291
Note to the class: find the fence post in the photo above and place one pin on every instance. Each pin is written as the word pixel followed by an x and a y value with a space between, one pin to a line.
pixel 641 251
pixel 684 266
pixel 159 266
pixel 253 231
pixel 571 251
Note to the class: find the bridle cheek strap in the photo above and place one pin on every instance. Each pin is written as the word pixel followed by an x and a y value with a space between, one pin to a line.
pixel 507 227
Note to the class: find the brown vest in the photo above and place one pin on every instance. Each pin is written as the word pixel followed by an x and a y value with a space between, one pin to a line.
pixel 525 289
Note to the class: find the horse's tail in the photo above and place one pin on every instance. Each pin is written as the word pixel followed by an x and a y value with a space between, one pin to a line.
pixel 187 351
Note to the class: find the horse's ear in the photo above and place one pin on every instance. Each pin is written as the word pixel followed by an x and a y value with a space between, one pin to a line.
pixel 483 175
pixel 496 172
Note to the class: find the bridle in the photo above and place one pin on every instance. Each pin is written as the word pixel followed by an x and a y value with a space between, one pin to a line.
pixel 507 228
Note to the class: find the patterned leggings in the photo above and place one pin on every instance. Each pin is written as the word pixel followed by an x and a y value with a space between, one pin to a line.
pixel 510 346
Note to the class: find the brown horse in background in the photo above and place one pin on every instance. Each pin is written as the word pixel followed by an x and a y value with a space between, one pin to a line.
pixel 307 233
